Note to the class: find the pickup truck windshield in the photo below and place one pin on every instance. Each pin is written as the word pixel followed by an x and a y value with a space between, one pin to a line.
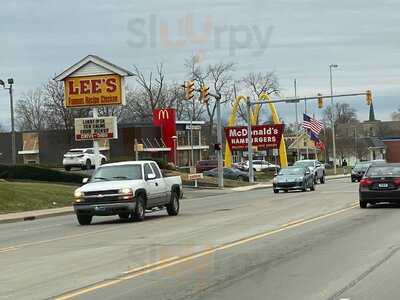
pixel 127 172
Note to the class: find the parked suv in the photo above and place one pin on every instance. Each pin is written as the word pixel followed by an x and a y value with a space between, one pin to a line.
pixel 81 158
pixel 206 165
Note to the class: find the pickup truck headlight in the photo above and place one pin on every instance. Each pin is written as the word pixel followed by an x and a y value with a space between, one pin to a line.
pixel 127 193
pixel 78 195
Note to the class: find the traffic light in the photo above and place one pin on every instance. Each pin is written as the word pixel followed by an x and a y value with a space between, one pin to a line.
pixel 189 89
pixel 204 96
pixel 320 101
pixel 369 97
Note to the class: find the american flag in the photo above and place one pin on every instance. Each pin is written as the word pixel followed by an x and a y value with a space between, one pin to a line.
pixel 311 124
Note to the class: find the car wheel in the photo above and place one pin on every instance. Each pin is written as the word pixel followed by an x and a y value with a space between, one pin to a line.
pixel 87 165
pixel 304 188
pixel 84 219
pixel 276 191
pixel 353 180
pixel 286 191
pixel 312 188
pixel 103 161
pixel 140 210
pixel 241 178
pixel 363 204
pixel 173 206
pixel 322 180
pixel 67 168
pixel 123 216
pixel 315 179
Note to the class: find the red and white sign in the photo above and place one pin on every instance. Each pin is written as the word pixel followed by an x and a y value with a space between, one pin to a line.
pixel 165 118
pixel 96 128
pixel 263 136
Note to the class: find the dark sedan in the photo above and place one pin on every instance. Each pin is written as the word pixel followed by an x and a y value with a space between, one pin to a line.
pixel 359 170
pixel 229 173
pixel 294 178
pixel 381 183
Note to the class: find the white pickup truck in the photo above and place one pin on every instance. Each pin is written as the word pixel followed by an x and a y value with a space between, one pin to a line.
pixel 127 189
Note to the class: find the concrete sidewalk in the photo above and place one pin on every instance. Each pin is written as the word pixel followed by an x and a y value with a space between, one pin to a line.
pixel 54 212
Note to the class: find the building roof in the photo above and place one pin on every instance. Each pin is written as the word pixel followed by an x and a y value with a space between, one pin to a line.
pixel 106 66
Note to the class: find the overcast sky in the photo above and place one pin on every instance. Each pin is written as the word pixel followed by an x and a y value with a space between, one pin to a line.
pixel 294 38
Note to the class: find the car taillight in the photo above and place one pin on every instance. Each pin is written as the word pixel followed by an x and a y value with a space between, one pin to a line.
pixel 366 182
pixel 397 181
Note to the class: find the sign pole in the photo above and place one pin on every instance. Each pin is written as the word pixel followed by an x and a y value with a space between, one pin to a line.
pixel 95 142
pixel 250 142
pixel 219 141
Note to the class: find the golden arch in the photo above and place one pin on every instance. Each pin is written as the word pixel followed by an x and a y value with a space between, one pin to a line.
pixel 254 115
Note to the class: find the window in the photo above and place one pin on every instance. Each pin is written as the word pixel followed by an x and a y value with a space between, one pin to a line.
pixel 156 171
pixel 147 170
pixel 89 151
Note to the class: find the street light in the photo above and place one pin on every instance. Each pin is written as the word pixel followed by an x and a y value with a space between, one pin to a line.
pixel 333 118
pixel 10 82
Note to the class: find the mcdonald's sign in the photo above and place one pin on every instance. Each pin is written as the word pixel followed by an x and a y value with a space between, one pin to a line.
pixel 163 114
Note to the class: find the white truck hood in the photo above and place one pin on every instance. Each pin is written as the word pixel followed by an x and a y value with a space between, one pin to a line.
pixel 110 185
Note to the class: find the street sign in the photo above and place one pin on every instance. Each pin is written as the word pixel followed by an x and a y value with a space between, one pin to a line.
pixel 96 128
pixel 93 91
pixel 195 176
pixel 263 136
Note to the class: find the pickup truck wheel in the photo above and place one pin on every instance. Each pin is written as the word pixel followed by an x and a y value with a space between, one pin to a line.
pixel 363 204
pixel 84 219
pixel 173 206
pixel 140 211
pixel 276 191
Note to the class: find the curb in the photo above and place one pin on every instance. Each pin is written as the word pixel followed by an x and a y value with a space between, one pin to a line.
pixel 35 217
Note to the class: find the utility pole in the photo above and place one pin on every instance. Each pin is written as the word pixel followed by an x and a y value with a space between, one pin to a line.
pixel 10 81
pixel 297 120
pixel 219 141
pixel 191 135
pixel 333 119
pixel 95 142
pixel 249 142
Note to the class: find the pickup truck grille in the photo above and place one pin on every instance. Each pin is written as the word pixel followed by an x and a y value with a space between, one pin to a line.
pixel 103 193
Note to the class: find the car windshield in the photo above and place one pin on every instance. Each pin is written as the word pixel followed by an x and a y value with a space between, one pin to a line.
pixel 75 151
pixel 304 163
pixel 108 173
pixel 292 171
pixel 385 171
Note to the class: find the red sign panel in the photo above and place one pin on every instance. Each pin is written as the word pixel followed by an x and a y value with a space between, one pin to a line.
pixel 263 136
pixel 166 119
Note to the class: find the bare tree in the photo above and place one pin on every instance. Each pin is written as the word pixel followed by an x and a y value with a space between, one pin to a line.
pixel 219 78
pixel 343 112
pixel 31 111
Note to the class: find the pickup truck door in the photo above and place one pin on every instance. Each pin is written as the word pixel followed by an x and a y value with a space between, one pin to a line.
pixel 162 189
pixel 151 186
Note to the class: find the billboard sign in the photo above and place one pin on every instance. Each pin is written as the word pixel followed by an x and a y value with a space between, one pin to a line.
pixel 263 136
pixel 92 91
pixel 96 128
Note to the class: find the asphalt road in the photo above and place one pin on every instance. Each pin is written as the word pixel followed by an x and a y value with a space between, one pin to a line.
pixel 242 245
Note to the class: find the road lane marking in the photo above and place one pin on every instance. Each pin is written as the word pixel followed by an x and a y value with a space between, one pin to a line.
pixel 166 263
pixel 7 249
pixel 160 262
pixel 57 239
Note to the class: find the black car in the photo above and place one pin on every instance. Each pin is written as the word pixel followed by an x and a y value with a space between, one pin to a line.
pixel 359 170
pixel 381 183
pixel 229 173
pixel 294 178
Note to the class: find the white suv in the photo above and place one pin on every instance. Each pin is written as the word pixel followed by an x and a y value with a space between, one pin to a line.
pixel 81 158
pixel 261 165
